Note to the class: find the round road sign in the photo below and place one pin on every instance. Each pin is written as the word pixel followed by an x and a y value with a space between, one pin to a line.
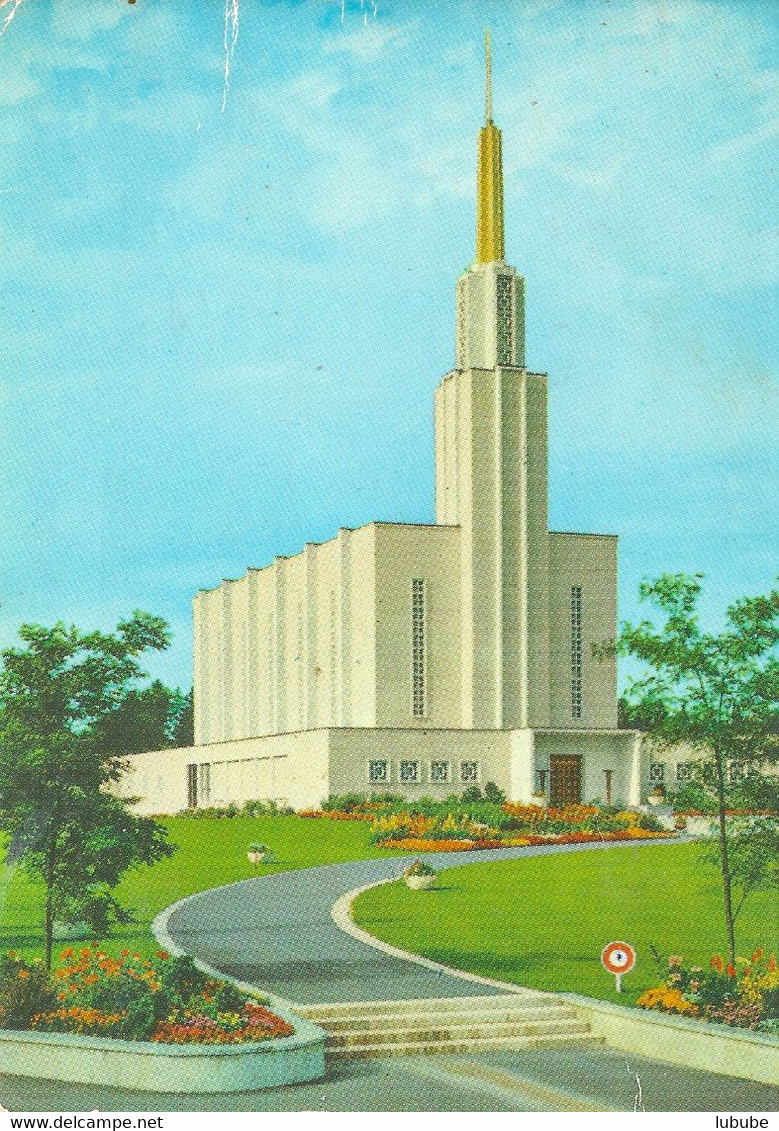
pixel 618 957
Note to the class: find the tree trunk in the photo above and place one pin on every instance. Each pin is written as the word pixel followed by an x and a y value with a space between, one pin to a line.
pixel 723 854
pixel 49 911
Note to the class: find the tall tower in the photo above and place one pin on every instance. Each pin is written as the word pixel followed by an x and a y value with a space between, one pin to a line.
pixel 491 473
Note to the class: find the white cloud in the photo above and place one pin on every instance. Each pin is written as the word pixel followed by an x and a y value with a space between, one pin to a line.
pixel 367 42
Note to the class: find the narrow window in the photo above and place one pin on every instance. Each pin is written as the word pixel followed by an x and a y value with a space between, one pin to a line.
pixel 576 651
pixel 439 771
pixel 418 649
pixel 409 772
pixel 505 319
pixel 684 771
pixel 192 786
pixel 377 772
pixel 657 773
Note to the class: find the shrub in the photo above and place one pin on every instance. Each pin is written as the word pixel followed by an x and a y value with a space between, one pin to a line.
pixel 745 995
pixel 494 794
pixel 420 868
pixel 471 794
pixel 257 808
pixel 24 991
pixel 134 999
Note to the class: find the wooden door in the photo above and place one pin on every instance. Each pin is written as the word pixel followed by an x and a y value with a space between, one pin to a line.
pixel 565 780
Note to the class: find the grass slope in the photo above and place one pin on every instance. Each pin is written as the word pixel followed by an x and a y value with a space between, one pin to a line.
pixel 543 922
pixel 210 853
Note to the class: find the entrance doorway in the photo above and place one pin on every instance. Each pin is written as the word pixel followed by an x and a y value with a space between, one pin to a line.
pixel 565 780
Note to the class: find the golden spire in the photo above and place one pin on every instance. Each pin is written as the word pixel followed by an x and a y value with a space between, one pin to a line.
pixel 489 181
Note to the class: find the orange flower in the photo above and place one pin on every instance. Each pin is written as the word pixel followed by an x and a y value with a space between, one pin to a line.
pixel 716 963
pixel 24 973
pixel 730 970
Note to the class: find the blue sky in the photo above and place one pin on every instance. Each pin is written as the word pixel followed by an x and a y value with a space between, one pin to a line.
pixel 221 332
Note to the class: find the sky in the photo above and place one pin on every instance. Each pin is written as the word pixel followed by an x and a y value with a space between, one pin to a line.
pixel 222 328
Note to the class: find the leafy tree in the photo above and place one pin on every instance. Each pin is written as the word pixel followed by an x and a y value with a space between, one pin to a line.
pixel 182 719
pixel 719 693
pixel 55 806
pixel 140 721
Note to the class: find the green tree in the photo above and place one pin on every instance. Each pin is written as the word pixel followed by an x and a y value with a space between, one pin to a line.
pixel 140 721
pixel 182 719
pixel 719 693
pixel 62 821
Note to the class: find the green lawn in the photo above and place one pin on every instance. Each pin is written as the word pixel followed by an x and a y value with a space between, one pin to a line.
pixel 543 921
pixel 211 852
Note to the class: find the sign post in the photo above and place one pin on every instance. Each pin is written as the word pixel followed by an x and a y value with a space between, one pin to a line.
pixel 619 958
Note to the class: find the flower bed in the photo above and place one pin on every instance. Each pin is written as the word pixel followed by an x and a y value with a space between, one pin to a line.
pixel 420 844
pixel 745 995
pixel 128 998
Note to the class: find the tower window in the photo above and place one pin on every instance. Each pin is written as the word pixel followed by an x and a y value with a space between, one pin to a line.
pixel 505 321
pixel 418 648
pixel 576 651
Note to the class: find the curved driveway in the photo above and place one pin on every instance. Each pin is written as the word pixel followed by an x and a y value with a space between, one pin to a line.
pixel 276 931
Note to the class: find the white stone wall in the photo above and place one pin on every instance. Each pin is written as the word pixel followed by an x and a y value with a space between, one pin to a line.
pixel 429 553
pixel 351 752
pixel 291 769
pixel 588 561
pixel 491 479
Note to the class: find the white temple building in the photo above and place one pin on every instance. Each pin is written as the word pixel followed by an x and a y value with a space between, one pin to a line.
pixel 422 659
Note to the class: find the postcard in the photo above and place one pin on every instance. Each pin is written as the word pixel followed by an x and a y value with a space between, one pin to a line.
pixel 388 671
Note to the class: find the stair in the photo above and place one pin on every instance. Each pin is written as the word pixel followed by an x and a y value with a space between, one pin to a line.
pixel 448 1025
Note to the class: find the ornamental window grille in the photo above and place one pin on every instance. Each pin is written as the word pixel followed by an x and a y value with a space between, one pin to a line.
pixel 657 772
pixel 378 771
pixel 439 771
pixel 684 771
pixel 409 772
pixel 418 648
pixel 469 771
pixel 505 319
pixel 736 772
pixel 576 651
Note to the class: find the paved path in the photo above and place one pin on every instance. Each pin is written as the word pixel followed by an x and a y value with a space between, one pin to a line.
pixel 276 931
pixel 575 1079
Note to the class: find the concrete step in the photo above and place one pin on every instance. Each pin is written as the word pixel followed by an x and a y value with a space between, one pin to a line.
pixel 466 1031
pixel 425 1006
pixel 487 1044
pixel 405 1019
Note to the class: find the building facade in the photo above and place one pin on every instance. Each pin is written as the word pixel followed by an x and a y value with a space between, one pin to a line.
pixel 423 658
